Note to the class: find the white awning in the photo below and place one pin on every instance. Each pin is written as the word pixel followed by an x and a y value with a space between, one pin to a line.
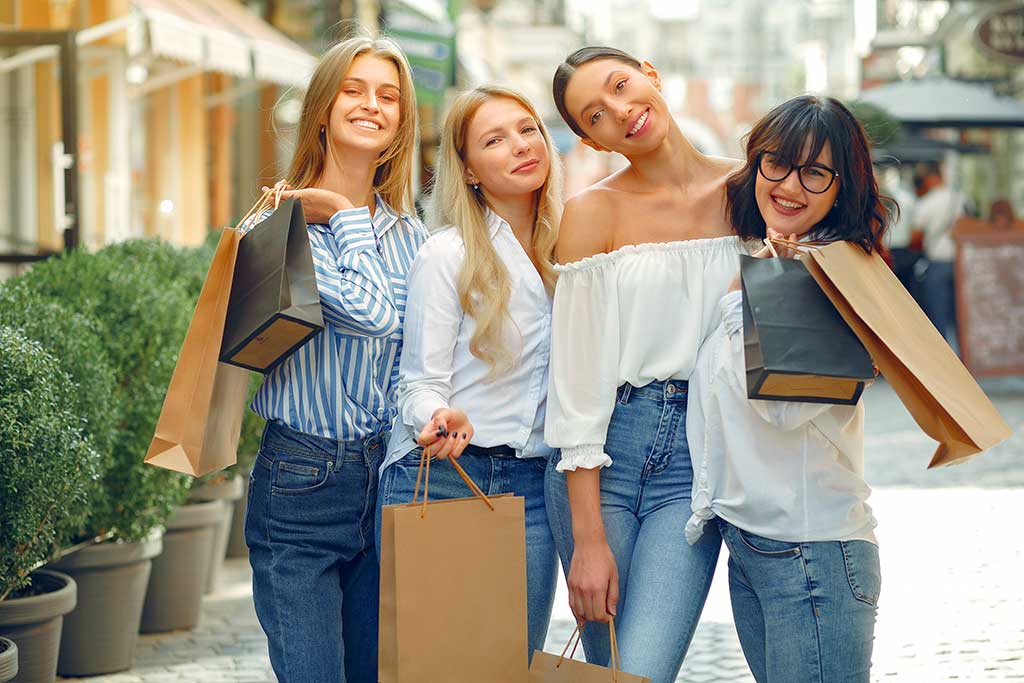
pixel 218 35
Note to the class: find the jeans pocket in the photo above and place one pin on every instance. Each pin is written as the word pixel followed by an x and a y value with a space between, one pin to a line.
pixel 863 570
pixel 296 475
pixel 767 547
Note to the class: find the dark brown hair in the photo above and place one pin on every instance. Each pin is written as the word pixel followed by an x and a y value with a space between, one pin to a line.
pixel 567 68
pixel 860 216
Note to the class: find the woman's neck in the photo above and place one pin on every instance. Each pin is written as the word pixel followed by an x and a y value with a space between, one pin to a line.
pixel 352 179
pixel 520 211
pixel 676 163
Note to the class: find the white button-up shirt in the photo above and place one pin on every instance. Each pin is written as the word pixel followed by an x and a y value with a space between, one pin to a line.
pixel 437 369
pixel 784 470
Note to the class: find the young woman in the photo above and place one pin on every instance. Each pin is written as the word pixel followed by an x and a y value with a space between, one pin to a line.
pixel 313 489
pixel 786 480
pixel 474 371
pixel 646 253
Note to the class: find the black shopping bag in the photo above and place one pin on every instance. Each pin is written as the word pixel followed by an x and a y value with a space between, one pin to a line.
pixel 275 305
pixel 797 345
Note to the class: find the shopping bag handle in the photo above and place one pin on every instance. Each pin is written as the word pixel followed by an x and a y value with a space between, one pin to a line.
pixel 263 203
pixel 615 664
pixel 425 459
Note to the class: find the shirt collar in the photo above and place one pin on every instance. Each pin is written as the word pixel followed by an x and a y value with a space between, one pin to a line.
pixel 495 222
pixel 384 218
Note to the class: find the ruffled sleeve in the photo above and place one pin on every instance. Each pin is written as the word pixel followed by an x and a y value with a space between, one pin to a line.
pixel 584 363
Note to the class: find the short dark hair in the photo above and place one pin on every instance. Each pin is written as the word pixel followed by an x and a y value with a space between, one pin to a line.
pixel 860 215
pixel 567 68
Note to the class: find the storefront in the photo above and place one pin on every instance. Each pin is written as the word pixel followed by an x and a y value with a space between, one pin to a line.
pixel 131 118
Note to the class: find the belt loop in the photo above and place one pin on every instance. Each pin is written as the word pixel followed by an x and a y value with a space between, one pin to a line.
pixel 624 393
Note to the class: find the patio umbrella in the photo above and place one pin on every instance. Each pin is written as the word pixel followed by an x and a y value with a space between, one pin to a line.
pixel 946 103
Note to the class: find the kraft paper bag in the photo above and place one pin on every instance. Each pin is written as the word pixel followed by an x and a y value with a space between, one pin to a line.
pixel 201 418
pixel 548 668
pixel 453 590
pixel 915 359
pixel 797 346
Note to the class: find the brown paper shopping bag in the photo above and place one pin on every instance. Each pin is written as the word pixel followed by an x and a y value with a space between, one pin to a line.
pixel 547 668
pixel 915 359
pixel 201 418
pixel 453 589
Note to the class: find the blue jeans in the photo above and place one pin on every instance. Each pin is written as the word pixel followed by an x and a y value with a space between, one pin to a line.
pixel 645 502
pixel 315 576
pixel 804 611
pixel 494 475
pixel 940 297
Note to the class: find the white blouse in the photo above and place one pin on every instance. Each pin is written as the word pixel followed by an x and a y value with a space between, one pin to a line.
pixel 783 470
pixel 637 314
pixel 437 369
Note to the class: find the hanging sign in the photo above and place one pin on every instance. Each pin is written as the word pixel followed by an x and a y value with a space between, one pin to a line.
pixel 1000 32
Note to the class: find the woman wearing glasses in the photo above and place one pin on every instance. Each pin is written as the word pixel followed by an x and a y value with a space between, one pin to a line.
pixel 786 480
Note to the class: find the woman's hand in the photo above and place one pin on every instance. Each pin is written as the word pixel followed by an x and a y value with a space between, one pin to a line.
pixel 317 205
pixel 593 582
pixel 448 433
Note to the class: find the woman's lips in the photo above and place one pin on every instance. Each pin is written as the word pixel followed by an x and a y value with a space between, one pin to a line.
pixel 526 167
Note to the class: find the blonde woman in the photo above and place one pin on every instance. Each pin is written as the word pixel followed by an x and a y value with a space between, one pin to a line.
pixel 313 490
pixel 474 371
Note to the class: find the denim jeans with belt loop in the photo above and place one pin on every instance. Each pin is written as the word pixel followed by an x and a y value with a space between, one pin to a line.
pixel 309 528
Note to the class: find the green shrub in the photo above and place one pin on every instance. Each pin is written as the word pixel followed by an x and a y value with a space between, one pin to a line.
pixel 75 341
pixel 46 462
pixel 139 294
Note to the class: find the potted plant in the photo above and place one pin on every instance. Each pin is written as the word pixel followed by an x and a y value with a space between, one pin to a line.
pixel 46 466
pixel 140 310
pixel 8 660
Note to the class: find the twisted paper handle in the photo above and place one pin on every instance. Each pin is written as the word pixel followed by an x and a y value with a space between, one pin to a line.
pixel 423 475
pixel 272 194
pixel 614 663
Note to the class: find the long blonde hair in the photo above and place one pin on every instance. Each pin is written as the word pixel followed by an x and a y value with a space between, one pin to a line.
pixel 484 285
pixel 393 177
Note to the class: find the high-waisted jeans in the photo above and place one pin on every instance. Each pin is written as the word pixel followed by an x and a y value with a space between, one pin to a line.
pixel 315 576
pixel 645 502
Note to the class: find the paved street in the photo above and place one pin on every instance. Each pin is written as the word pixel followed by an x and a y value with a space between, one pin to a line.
pixel 952 606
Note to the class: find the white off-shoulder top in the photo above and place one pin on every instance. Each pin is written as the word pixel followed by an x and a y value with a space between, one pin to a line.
pixel 637 315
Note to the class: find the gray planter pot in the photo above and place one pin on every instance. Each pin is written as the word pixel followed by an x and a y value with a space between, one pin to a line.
pixel 229 491
pixel 175 593
pixel 100 634
pixel 34 624
pixel 8 660
pixel 236 540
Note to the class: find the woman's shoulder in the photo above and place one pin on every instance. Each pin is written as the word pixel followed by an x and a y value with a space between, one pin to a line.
pixel 586 226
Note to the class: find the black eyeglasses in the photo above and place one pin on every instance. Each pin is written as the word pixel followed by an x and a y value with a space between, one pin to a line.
pixel 816 178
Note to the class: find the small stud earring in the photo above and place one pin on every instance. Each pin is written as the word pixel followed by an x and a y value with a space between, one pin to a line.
pixel 835 203
pixel 476 186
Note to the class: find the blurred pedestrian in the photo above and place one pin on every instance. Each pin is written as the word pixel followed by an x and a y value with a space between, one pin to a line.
pixel 938 208
pixel 904 254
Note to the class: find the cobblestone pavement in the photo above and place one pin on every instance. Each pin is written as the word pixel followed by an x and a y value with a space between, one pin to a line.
pixel 952 549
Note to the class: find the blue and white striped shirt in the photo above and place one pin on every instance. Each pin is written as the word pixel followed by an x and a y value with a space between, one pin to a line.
pixel 341 383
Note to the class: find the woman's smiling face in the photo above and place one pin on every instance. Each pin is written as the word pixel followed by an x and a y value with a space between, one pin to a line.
pixel 786 205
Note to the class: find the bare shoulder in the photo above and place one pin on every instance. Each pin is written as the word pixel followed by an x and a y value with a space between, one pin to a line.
pixel 722 169
pixel 725 166
pixel 586 227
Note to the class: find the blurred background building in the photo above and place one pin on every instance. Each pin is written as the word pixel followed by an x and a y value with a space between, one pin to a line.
pixel 127 118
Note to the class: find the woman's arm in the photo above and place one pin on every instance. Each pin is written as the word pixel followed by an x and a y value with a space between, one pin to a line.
pixel 433 317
